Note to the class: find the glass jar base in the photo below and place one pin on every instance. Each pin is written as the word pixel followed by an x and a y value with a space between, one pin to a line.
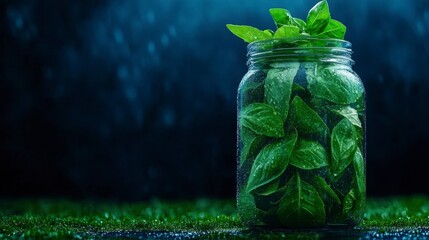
pixel 325 232
pixel 321 229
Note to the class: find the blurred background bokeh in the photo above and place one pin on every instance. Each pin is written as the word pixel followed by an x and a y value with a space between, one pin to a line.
pixel 137 99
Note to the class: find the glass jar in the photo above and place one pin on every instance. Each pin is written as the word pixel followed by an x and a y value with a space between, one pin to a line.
pixel 301 136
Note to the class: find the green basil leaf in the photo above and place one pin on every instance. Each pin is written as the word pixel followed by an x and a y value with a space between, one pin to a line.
pixel 359 206
pixel 251 91
pixel 301 24
pixel 268 189
pixel 309 155
pixel 247 209
pixel 263 119
pixel 348 112
pixel 277 195
pixel 281 16
pixel 271 162
pixel 249 87
pixel 247 33
pixel 318 18
pixel 359 167
pixel 269 200
pixel 252 144
pixel 359 134
pixel 287 31
pixel 301 205
pixel 269 32
pixel 339 86
pixel 360 105
pixel 306 119
pixel 324 187
pixel 297 88
pixel 278 88
pixel 343 146
pixel 334 29
pixel 319 104
pixel 299 42
pixel 348 202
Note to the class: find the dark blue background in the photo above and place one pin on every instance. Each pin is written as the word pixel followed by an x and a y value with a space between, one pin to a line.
pixel 136 99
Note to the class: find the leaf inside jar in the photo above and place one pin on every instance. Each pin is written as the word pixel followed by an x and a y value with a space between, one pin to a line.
pixel 339 86
pixel 309 155
pixel 271 162
pixel 343 146
pixel 252 144
pixel 305 119
pixel 301 206
pixel 262 119
pixel 278 88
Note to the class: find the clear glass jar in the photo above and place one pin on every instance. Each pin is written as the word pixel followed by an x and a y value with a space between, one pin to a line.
pixel 301 136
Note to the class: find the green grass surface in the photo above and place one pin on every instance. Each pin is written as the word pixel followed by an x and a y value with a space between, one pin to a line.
pixel 62 218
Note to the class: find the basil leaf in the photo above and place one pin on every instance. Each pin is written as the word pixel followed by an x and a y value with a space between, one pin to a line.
pixel 318 24
pixel 348 202
pixel 262 119
pixel 339 86
pixel 271 162
pixel 284 66
pixel 301 205
pixel 277 195
pixel 359 206
pixel 343 145
pixel 269 201
pixel 278 88
pixel 251 92
pixel 280 16
pixel 318 17
pixel 250 87
pixel 287 31
pixel 350 113
pixel 359 167
pixel 297 88
pixel 301 24
pixel 268 189
pixel 324 187
pixel 360 105
pixel 309 155
pixel 247 33
pixel 269 32
pixel 359 135
pixel 252 144
pixel 306 119
pixel 247 209
pixel 334 29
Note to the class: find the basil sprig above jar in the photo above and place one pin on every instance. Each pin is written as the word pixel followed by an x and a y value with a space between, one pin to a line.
pixel 301 125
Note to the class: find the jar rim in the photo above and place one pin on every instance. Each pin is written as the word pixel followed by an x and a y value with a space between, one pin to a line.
pixel 293 42
pixel 300 49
